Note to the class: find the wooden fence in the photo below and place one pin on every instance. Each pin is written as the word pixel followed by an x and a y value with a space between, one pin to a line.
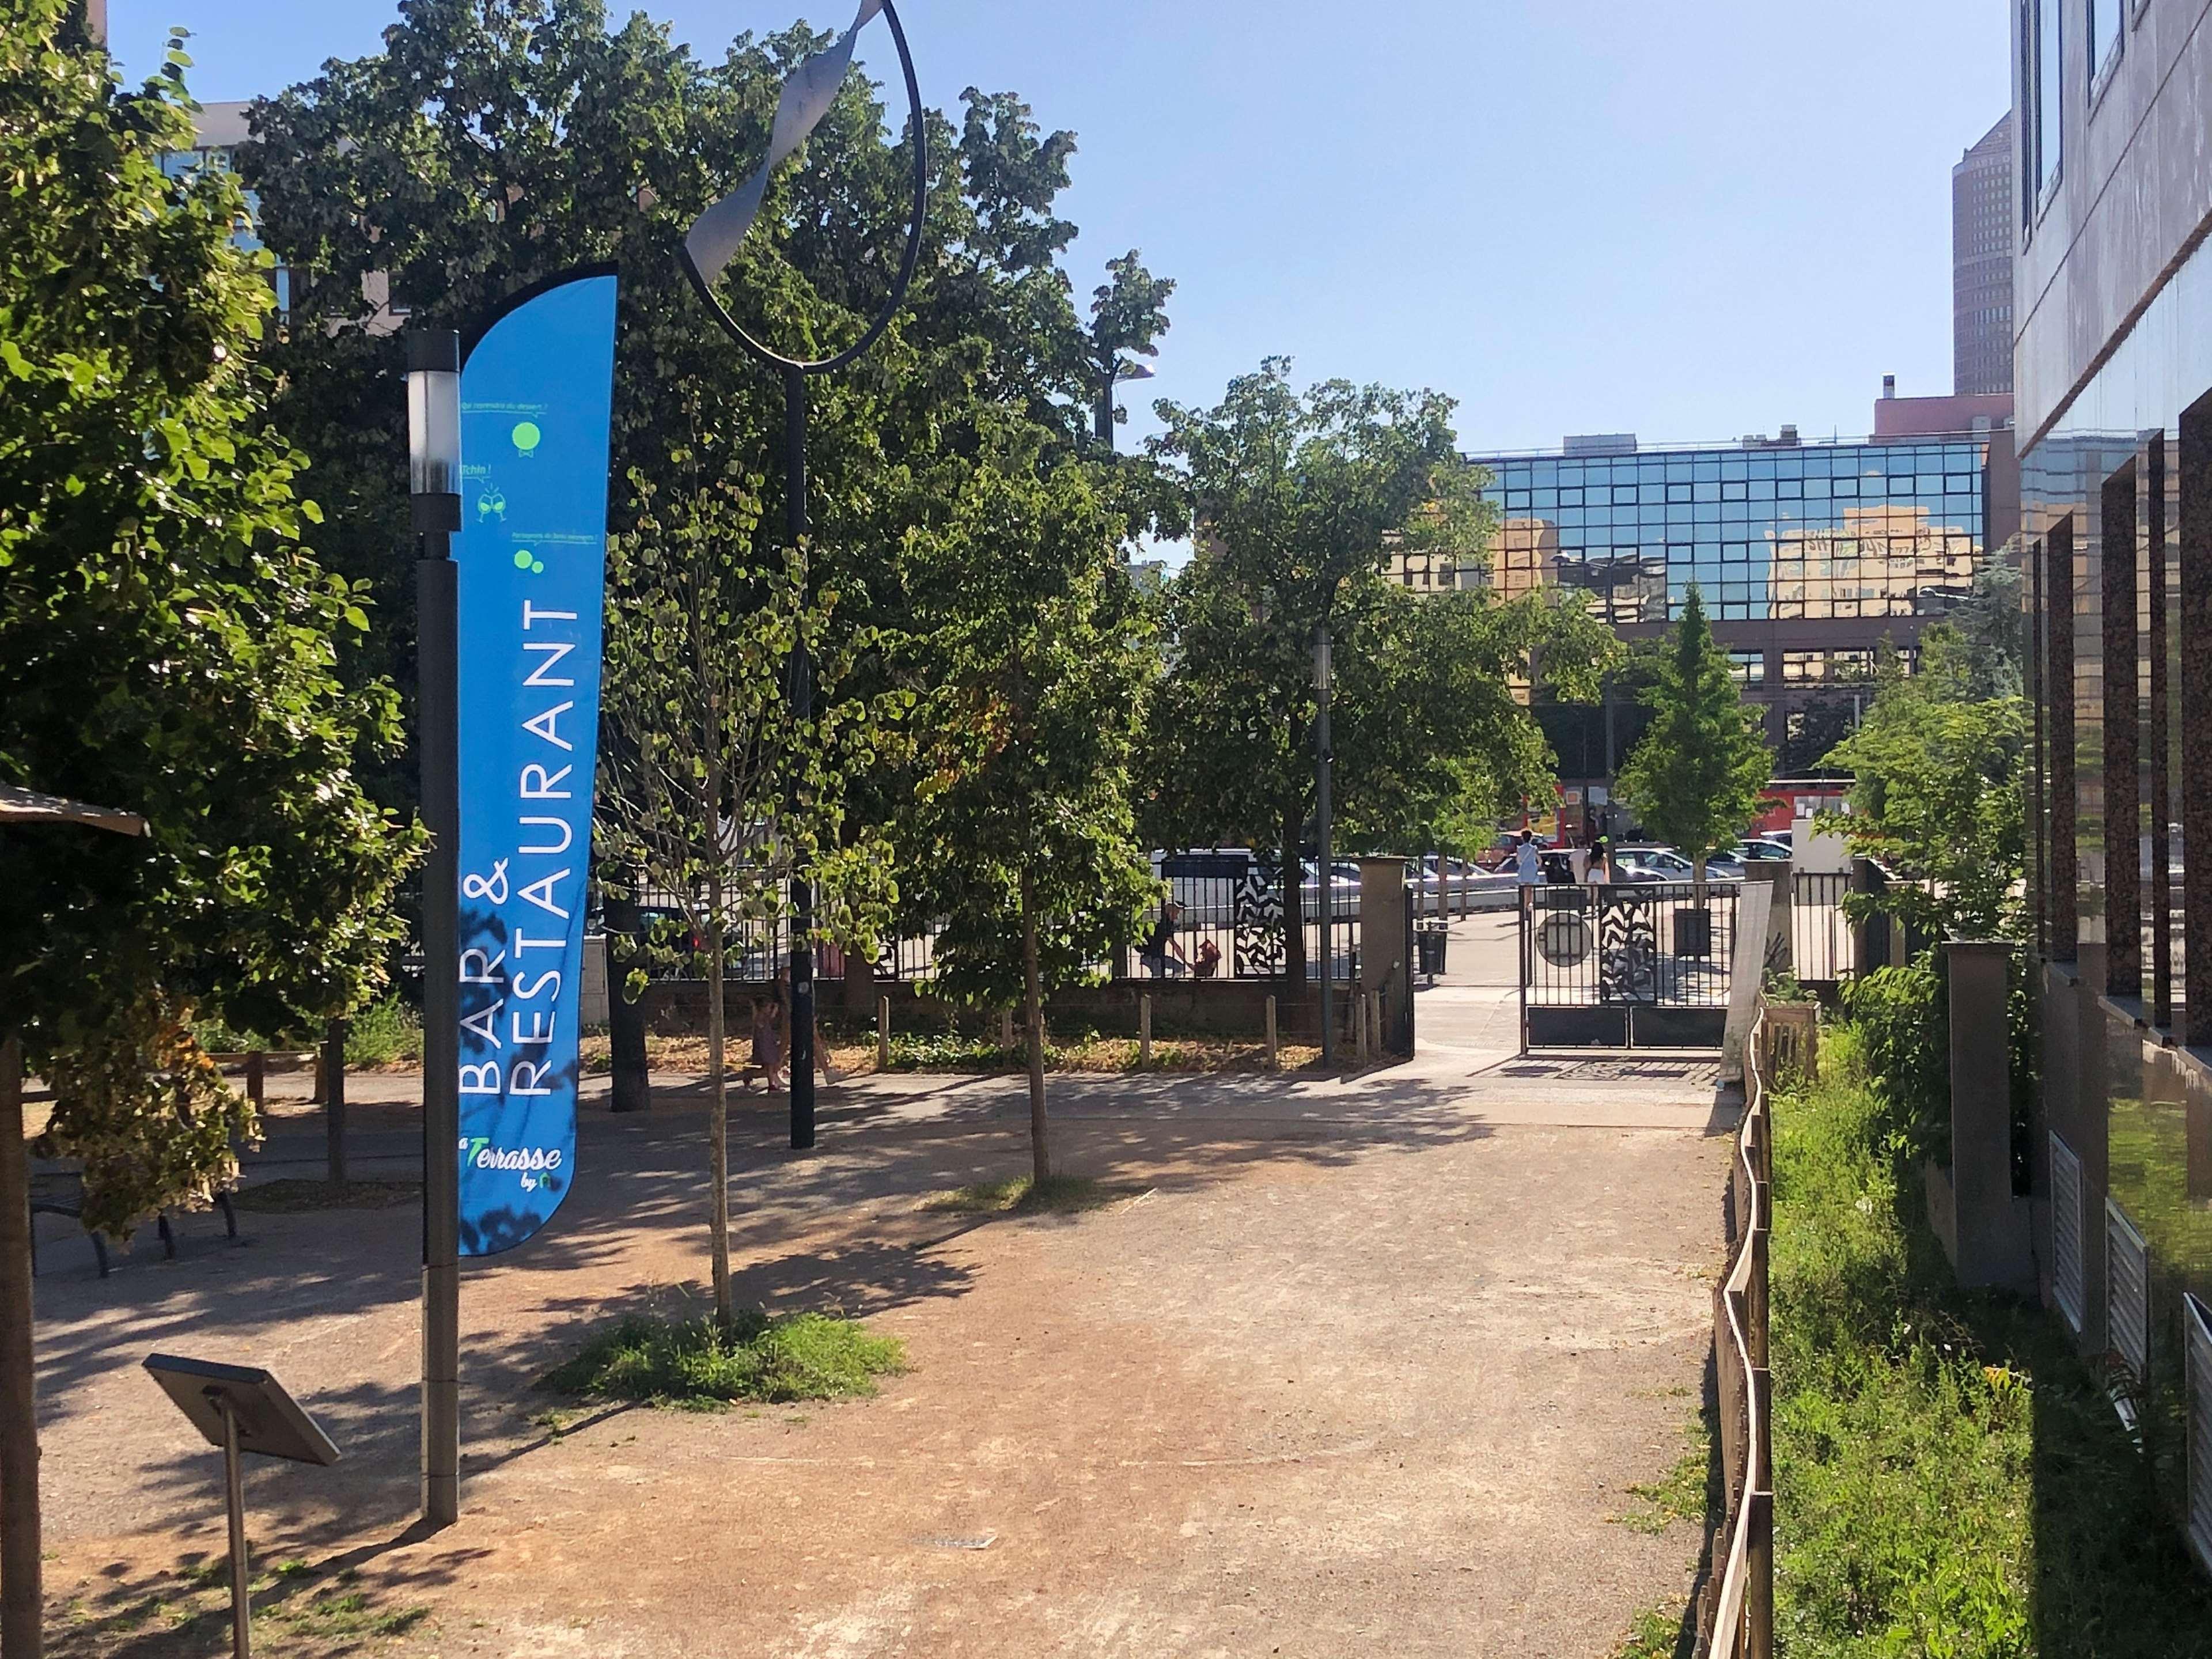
pixel 1737 1619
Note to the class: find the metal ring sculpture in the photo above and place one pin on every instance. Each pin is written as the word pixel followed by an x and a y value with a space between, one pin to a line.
pixel 794 120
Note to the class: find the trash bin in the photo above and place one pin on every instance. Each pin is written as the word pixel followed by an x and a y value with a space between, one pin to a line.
pixel 1428 947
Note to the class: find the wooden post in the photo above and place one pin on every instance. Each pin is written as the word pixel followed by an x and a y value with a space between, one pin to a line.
pixel 1359 1028
pixel 256 1078
pixel 1143 1031
pixel 21 1598
pixel 334 1100
pixel 1759 1577
pixel 1271 1054
pixel 882 1033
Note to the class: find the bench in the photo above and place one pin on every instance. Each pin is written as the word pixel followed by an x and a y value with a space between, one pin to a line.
pixel 49 1197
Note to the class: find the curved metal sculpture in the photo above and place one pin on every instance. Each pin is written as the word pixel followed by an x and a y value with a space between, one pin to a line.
pixel 715 238
pixel 709 246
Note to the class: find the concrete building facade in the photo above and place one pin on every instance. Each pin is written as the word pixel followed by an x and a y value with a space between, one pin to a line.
pixel 2113 380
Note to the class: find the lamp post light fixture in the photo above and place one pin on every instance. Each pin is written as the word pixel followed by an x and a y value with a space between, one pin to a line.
pixel 1122 369
pixel 433 482
pixel 712 242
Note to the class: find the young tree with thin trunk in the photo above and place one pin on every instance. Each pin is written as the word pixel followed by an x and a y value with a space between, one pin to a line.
pixel 711 787
pixel 1694 781
pixel 1022 839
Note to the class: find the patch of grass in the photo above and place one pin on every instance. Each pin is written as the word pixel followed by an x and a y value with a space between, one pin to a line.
pixel 1656 1633
pixel 388 1032
pixel 298 1197
pixel 1025 1195
pixel 688 1364
pixel 1950 1477
pixel 1688 1492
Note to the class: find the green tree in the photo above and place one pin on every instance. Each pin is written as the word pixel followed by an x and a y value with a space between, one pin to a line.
pixel 711 789
pixel 1695 778
pixel 1432 742
pixel 1022 840
pixel 1295 502
pixel 1128 315
pixel 1937 776
pixel 165 642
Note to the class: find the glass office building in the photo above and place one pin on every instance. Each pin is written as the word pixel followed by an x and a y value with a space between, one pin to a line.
pixel 1809 555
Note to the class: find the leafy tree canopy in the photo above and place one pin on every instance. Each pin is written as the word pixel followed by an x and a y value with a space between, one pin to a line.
pixel 166 640
pixel 1694 781
pixel 1029 737
pixel 1295 503
pixel 1936 796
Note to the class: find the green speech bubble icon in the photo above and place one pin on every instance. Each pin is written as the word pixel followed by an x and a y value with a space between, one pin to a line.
pixel 526 437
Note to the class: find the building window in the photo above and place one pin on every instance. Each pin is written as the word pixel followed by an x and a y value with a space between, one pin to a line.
pixel 2193 461
pixel 2105 38
pixel 1747 667
pixel 2042 81
pixel 2157 734
pixel 2123 779
pixel 2058 682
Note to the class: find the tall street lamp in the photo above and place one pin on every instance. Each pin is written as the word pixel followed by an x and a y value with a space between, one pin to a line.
pixel 1323 674
pixel 434 485
pixel 712 242
pixel 1120 368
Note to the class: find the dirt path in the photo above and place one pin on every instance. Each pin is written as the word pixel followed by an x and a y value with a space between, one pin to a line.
pixel 1360 1369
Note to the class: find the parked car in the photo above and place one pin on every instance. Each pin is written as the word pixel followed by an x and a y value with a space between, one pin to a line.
pixel 1764 846
pixel 1653 863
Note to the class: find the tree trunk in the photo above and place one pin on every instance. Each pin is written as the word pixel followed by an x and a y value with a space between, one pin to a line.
pixel 718 1115
pixel 20 1599
pixel 1033 998
pixel 633 1079
pixel 1294 909
pixel 334 1100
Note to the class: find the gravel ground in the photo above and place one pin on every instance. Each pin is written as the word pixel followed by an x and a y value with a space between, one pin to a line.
pixel 1361 1367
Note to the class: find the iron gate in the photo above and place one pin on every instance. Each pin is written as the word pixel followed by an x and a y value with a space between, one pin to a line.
pixel 1640 965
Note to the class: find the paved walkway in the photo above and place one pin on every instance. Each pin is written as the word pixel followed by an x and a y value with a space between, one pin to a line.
pixel 1358 1367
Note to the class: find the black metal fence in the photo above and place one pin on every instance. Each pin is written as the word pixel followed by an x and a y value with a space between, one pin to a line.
pixel 1822 949
pixel 1643 965
pixel 1225 916
pixel 1227 922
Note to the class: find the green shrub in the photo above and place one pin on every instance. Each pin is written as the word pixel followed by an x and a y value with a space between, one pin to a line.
pixel 1950 1478
pixel 387 1031
pixel 1903 1019
pixel 691 1364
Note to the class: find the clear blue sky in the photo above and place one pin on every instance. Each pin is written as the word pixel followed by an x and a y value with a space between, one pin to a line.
pixel 1686 220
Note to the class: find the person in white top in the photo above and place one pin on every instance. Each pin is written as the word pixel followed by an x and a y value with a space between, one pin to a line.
pixel 1528 865
pixel 1601 865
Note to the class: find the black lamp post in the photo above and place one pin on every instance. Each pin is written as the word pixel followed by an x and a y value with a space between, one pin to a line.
pixel 433 484
pixel 703 258
pixel 1325 880
pixel 1118 369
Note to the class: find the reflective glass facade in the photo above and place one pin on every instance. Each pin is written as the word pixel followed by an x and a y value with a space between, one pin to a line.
pixel 1800 533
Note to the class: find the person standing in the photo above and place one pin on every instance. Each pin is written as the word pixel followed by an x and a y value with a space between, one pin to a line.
pixel 1528 870
pixel 1160 951
pixel 1600 866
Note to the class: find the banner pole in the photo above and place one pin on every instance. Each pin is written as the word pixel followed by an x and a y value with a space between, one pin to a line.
pixel 442 1112
pixel 802 709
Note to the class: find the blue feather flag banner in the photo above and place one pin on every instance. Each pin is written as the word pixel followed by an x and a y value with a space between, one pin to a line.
pixel 536 400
